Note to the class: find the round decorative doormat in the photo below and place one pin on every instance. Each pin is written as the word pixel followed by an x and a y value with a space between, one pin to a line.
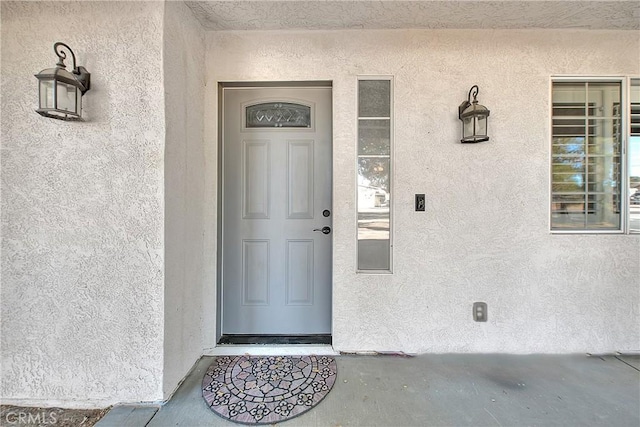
pixel 267 390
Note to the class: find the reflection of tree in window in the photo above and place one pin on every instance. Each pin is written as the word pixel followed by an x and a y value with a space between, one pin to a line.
pixel 375 171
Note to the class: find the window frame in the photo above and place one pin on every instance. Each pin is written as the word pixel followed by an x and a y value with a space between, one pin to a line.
pixel 391 80
pixel 627 156
pixel 625 84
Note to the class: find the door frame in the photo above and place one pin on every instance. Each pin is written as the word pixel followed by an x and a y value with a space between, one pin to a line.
pixel 220 178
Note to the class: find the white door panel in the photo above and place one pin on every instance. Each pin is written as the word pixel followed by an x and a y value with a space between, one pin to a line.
pixel 276 275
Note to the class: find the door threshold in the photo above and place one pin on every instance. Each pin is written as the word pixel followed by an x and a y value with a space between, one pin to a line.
pixel 242 339
pixel 271 350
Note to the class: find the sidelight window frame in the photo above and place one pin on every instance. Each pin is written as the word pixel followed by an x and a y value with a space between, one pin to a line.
pixel 389 156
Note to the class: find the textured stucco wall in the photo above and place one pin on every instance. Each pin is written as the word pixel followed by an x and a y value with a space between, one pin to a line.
pixel 82 208
pixel 183 59
pixel 484 235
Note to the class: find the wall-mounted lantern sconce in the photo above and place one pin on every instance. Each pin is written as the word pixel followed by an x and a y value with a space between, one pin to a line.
pixel 60 90
pixel 474 119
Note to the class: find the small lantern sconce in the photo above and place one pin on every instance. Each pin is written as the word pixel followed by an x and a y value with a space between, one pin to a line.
pixel 474 119
pixel 61 91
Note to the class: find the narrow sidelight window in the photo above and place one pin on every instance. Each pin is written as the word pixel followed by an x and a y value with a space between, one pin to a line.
pixel 375 129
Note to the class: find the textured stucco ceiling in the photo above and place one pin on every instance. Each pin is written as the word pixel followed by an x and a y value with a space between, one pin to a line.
pixel 335 15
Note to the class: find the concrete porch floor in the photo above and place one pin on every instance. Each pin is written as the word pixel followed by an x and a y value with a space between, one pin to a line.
pixel 441 390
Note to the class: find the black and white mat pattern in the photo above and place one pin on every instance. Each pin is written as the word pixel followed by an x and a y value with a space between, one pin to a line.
pixel 269 389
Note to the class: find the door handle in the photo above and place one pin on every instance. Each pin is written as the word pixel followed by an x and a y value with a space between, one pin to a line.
pixel 324 230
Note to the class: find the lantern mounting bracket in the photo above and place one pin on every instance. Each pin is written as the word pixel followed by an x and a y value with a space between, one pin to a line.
pixel 465 104
pixel 84 77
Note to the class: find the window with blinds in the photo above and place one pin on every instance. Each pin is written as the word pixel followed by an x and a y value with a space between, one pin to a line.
pixel 634 157
pixel 635 118
pixel 586 166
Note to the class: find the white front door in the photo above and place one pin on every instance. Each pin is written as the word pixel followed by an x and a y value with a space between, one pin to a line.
pixel 276 277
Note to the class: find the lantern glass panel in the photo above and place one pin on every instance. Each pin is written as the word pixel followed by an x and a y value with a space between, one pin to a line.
pixel 66 97
pixel 46 94
pixel 481 127
pixel 467 127
pixel 78 107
